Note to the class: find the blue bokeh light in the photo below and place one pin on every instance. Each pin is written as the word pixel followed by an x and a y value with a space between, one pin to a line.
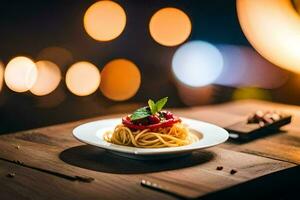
pixel 197 63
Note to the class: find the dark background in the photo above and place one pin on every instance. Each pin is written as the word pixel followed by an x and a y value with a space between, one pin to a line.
pixel 27 27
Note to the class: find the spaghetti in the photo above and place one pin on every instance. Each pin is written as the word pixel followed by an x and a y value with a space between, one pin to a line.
pixel 174 136
pixel 151 130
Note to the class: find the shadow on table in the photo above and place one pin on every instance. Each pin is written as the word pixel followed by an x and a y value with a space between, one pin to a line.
pixel 280 185
pixel 96 159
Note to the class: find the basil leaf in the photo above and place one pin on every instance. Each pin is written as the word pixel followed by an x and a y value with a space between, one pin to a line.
pixel 140 113
pixel 152 106
pixel 161 103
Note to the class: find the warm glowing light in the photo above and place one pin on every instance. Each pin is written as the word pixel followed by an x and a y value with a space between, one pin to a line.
pixel 244 67
pixel 273 28
pixel 170 26
pixel 121 79
pixel 48 78
pixel 1 75
pixel 251 93
pixel 197 63
pixel 20 74
pixel 104 20
pixel 83 78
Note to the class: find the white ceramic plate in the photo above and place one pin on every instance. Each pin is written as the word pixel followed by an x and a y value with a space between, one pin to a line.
pixel 92 133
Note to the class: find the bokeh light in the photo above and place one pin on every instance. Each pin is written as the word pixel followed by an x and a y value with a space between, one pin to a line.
pixel 251 93
pixel 121 79
pixel 104 20
pixel 20 74
pixel 83 78
pixel 273 28
pixel 1 75
pixel 48 78
pixel 244 67
pixel 197 63
pixel 170 26
pixel 58 55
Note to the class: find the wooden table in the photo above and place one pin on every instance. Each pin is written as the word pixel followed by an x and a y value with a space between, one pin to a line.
pixel 48 163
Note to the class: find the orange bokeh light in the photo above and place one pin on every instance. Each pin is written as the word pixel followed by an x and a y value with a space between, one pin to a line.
pixel 83 78
pixel 20 74
pixel 273 28
pixel 104 20
pixel 48 78
pixel 121 79
pixel 170 26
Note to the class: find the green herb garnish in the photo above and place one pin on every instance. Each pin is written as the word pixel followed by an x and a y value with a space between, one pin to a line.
pixel 151 109
pixel 140 113
pixel 160 104
pixel 152 106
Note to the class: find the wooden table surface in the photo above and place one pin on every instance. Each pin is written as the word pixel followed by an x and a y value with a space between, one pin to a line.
pixel 48 163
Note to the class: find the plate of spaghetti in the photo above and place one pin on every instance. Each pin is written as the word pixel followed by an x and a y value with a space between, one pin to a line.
pixel 151 133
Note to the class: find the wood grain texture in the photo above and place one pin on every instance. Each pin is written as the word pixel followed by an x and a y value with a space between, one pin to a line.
pixel 32 184
pixel 283 145
pixel 53 149
pixel 115 175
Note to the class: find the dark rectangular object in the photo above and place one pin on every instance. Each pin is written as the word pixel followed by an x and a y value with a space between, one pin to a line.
pixel 244 131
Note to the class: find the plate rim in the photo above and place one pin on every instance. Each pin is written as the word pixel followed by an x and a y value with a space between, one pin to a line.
pixel 150 151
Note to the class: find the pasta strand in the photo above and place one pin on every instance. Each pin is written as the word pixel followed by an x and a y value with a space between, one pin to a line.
pixel 174 136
